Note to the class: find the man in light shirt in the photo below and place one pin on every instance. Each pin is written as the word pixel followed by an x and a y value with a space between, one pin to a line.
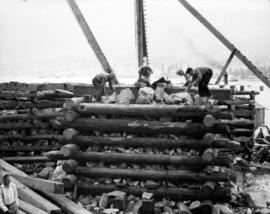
pixel 9 201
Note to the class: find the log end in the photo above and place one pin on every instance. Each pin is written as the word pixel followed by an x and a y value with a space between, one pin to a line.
pixel 70 115
pixel 69 149
pixel 70 134
pixel 209 121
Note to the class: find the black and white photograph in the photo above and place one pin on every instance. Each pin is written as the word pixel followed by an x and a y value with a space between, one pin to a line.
pixel 134 106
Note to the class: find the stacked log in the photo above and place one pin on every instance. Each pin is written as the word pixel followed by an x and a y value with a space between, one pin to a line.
pixel 130 148
pixel 25 129
pixel 242 106
pixel 171 151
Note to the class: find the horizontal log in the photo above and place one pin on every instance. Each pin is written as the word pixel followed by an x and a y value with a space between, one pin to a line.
pixel 210 121
pixel 45 94
pixel 28 148
pixel 243 113
pixel 10 117
pixel 197 130
pixel 140 158
pixel 242 132
pixel 222 194
pixel 29 208
pixel 26 159
pixel 14 105
pixel 217 141
pixel 158 110
pixel 12 95
pixel 171 175
pixel 52 94
pixel 246 93
pixel 235 102
pixel 250 107
pixel 41 184
pixel 160 143
pixel 32 138
pixel 23 125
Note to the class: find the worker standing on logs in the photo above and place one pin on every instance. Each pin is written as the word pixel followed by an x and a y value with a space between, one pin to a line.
pixel 9 200
pixel 145 72
pixel 198 77
pixel 99 83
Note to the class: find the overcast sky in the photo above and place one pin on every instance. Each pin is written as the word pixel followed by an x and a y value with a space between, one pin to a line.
pixel 41 38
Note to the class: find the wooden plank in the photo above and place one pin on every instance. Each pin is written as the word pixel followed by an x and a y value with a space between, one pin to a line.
pixel 28 148
pixel 224 69
pixel 33 138
pixel 23 125
pixel 226 42
pixel 22 212
pixel 11 169
pixel 41 184
pixel 25 159
pixel 29 208
pixel 10 117
pixel 33 198
pixel 67 205
pixel 89 36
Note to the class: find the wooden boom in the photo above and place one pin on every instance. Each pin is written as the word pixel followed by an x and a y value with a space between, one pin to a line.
pixel 89 36
pixel 226 42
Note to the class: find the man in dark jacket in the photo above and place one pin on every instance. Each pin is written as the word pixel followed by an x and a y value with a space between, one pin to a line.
pixel 198 77
pixel 99 83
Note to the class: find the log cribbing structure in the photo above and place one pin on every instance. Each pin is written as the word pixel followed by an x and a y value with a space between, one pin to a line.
pixel 169 143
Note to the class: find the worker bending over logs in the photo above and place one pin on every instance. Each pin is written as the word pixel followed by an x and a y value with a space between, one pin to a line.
pixel 99 83
pixel 9 201
pixel 145 72
pixel 198 77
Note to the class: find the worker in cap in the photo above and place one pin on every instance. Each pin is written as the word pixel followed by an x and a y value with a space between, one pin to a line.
pixel 145 72
pixel 99 83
